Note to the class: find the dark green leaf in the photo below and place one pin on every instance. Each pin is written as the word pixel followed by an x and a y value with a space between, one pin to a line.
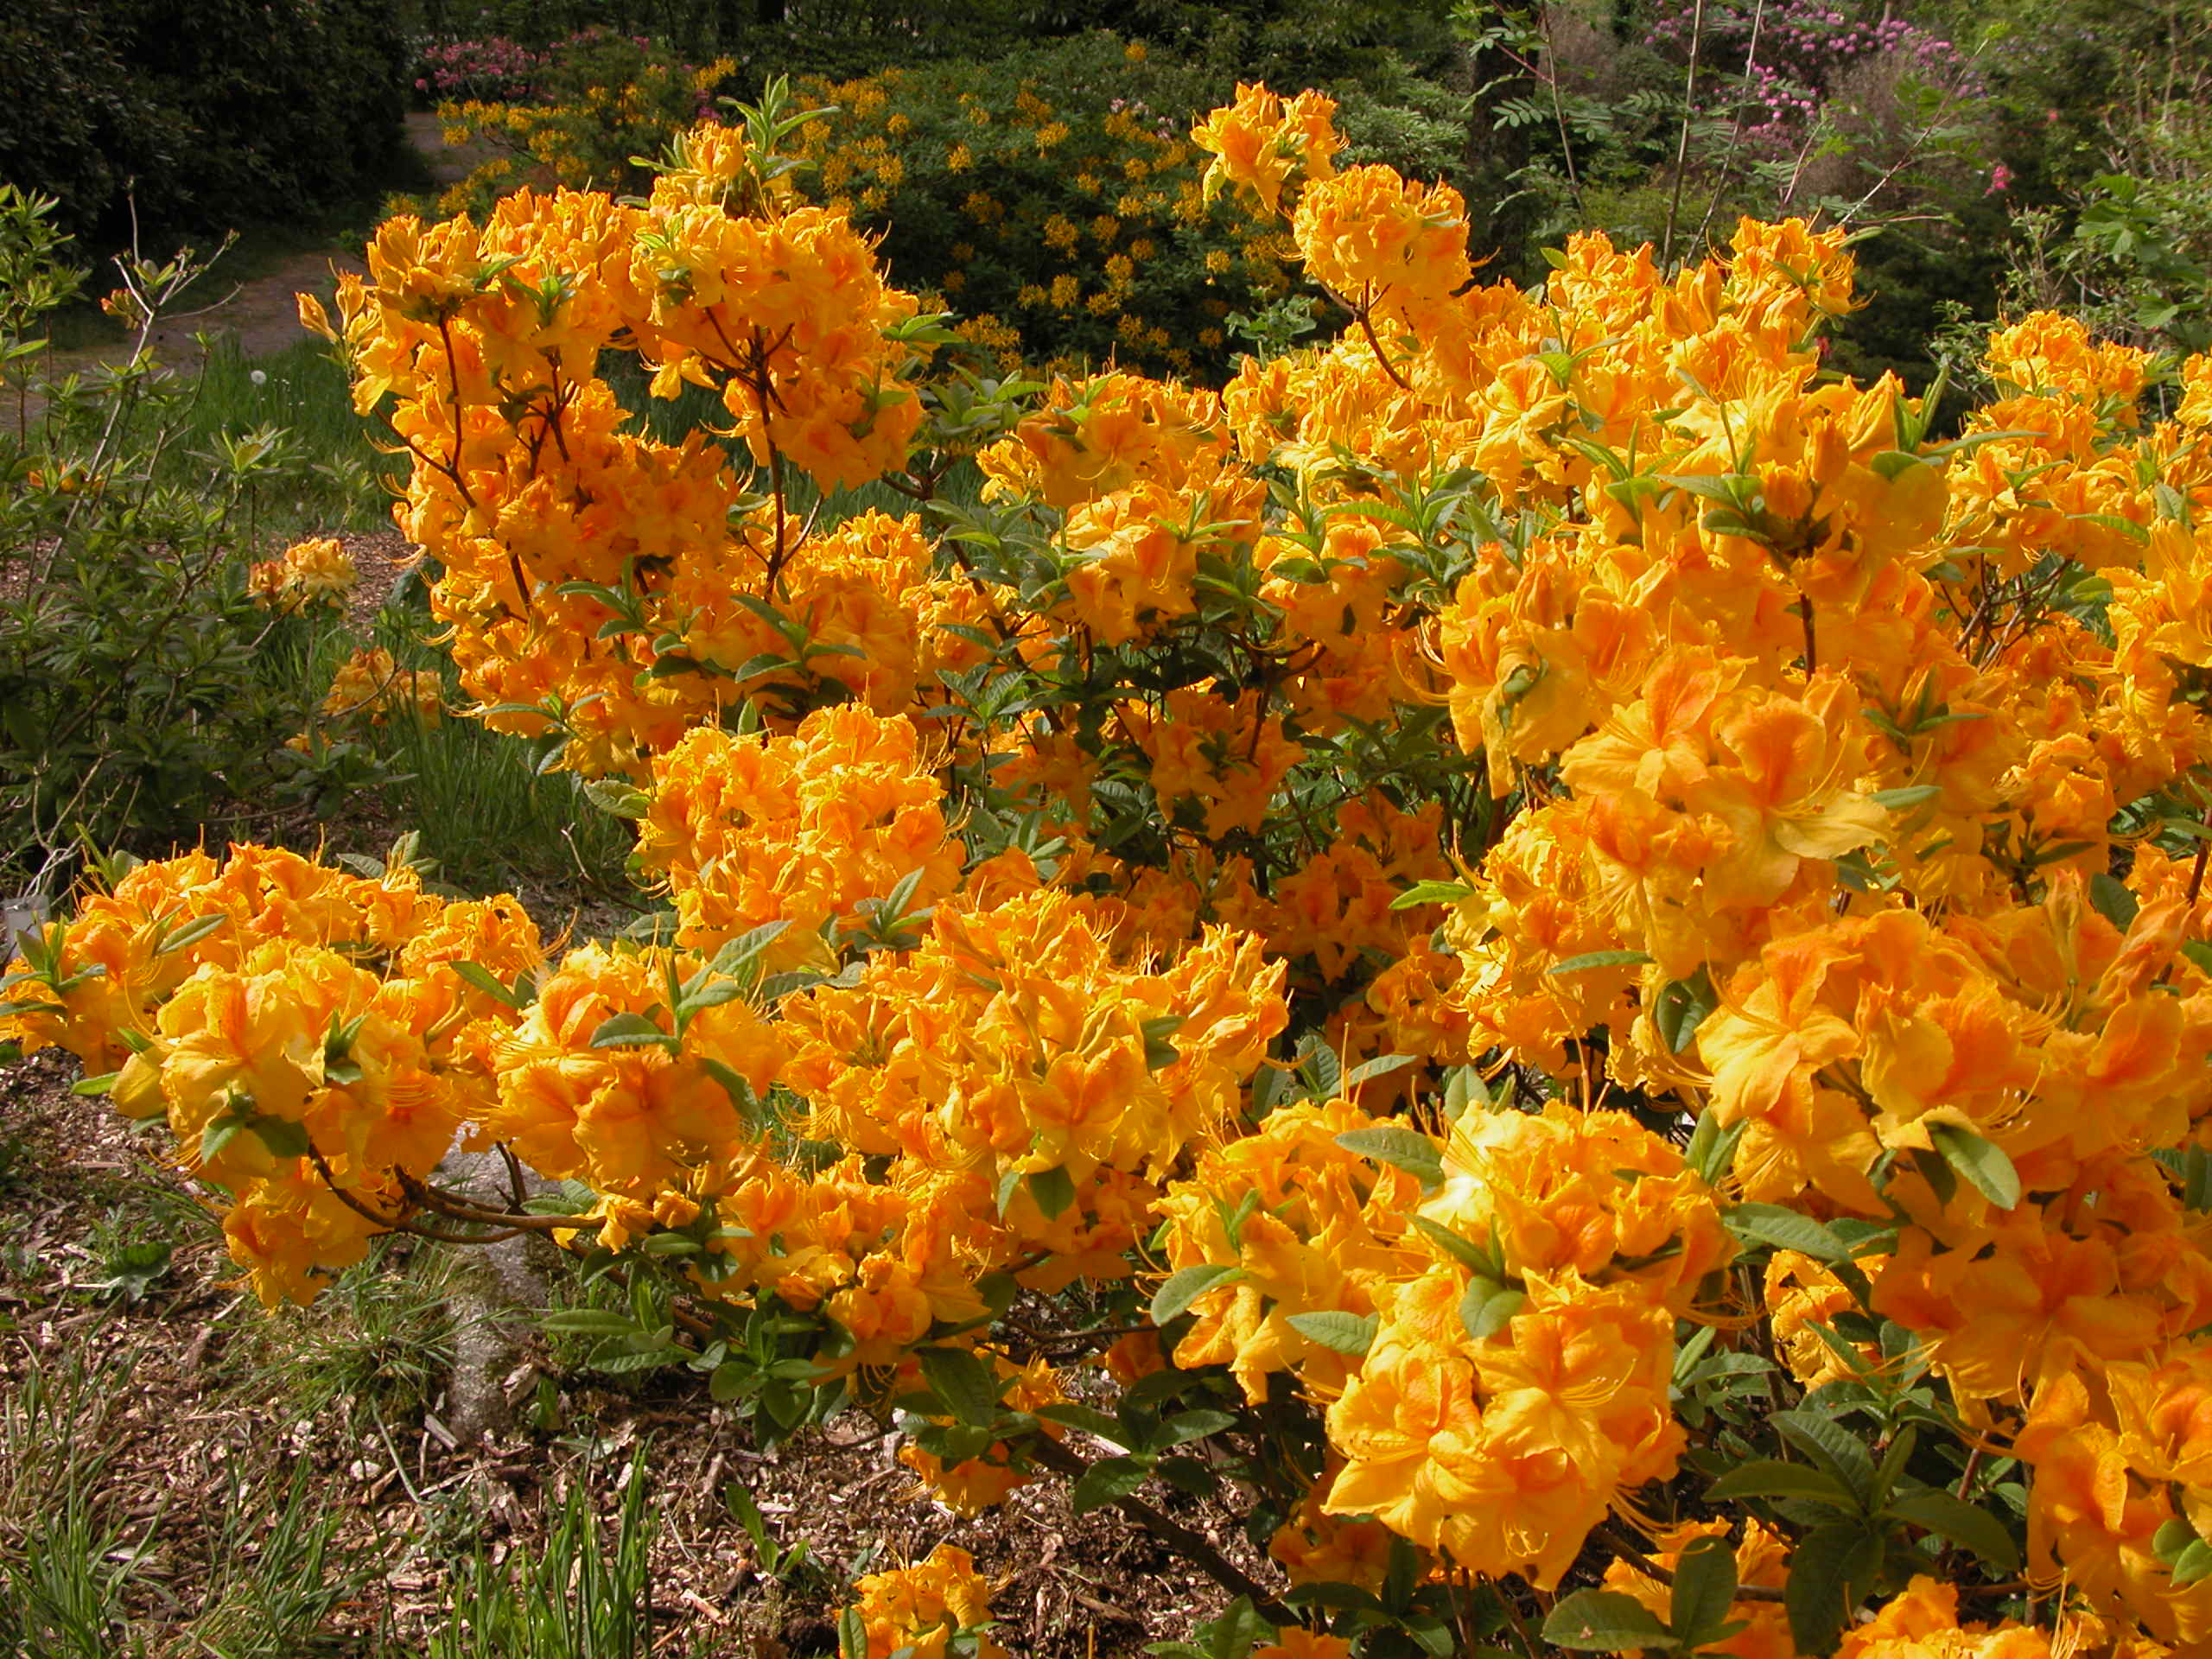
pixel 1605 1621
pixel 964 1382
pixel 1829 1571
pixel 1933 1510
pixel 1770 1478
pixel 1704 1588
pixel 1106 1482
pixel 1680 1008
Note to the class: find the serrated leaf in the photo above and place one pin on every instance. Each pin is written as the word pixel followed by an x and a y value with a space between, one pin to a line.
pixel 1407 1149
pixel 1605 1621
pixel 1334 1328
pixel 1982 1163
pixel 1186 1285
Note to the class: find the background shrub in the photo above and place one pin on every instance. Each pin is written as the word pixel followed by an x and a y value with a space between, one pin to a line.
pixel 210 113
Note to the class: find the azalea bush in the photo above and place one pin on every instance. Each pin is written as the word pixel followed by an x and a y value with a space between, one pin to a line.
pixel 1539 951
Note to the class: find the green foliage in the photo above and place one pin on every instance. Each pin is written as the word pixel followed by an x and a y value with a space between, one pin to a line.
pixel 134 702
pixel 579 1596
pixel 206 113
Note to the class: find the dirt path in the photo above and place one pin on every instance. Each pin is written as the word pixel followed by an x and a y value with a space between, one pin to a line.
pixel 261 313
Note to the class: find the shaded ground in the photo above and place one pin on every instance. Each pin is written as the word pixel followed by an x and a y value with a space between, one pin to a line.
pixel 260 312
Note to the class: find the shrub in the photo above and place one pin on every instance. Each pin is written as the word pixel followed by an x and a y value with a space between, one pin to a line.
pixel 205 114
pixel 135 708
pixel 1539 952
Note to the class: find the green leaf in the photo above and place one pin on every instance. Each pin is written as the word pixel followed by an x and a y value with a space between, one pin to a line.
pixel 1382 1065
pixel 101 1085
pixel 612 795
pixel 1680 1008
pixel 1088 1419
pixel 2193 1562
pixel 1712 1149
pixel 284 1138
pixel 852 1634
pixel 1904 800
pixel 485 981
pixel 589 1322
pixel 1605 1621
pixel 1432 892
pixel 2112 900
pixel 1830 1445
pixel 1347 1334
pixel 1054 1190
pixel 1933 1510
pixel 1981 1163
pixel 1186 1285
pixel 630 1030
pixel 1468 1253
pixel 190 934
pixel 1400 1148
pixel 1105 1482
pixel 1771 1477
pixel 1705 1589
pixel 1488 1308
pixel 1770 1224
pixel 964 1382
pixel 1591 959
pixel 1829 1571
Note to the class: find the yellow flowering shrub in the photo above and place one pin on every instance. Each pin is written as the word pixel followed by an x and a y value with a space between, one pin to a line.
pixel 1557 958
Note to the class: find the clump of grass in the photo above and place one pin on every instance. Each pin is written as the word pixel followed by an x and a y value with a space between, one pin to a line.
pixel 324 473
pixel 579 1597
pixel 377 1343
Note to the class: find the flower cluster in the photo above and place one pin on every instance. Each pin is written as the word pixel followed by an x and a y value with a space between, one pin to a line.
pixel 306 575
pixel 303 1030
pixel 937 1608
